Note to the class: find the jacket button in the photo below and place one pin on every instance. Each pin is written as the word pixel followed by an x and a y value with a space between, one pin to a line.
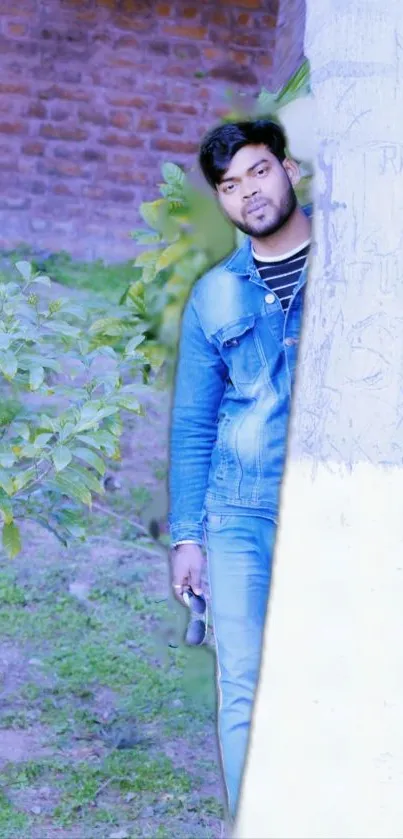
pixel 289 342
pixel 270 298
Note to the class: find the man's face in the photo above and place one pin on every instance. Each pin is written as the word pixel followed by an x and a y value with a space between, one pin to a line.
pixel 256 191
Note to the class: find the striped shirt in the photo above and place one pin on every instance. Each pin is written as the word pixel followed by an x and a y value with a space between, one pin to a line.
pixel 281 273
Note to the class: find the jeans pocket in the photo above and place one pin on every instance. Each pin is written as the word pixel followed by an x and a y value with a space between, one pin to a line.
pixel 215 521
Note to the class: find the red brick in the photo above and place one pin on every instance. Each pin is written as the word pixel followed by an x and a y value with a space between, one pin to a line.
pixel 127 42
pixel 120 196
pixel 33 148
pixel 269 21
pixel 220 18
pixel 11 128
pixel 121 119
pixel 175 127
pixel 246 39
pixel 60 132
pixel 189 12
pixel 93 192
pixel 139 24
pixel 14 88
pixel 191 32
pixel 212 53
pixel 265 60
pixel 174 146
pixel 176 108
pixel 59 114
pixel 62 189
pixel 186 51
pixel 239 57
pixel 59 92
pixel 128 176
pixel 148 124
pixel 245 4
pixel 71 76
pixel 37 110
pixel 122 159
pixel 129 140
pixel 243 19
pixel 159 47
pixel 94 155
pixel 127 101
pixel 163 10
pixel 96 117
pixel 65 168
pixel 16 30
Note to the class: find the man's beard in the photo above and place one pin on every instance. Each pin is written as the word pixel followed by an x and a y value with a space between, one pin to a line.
pixel 286 208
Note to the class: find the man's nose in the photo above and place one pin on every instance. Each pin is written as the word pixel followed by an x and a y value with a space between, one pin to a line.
pixel 249 191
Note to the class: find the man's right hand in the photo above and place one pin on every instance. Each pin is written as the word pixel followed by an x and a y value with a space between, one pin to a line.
pixel 186 563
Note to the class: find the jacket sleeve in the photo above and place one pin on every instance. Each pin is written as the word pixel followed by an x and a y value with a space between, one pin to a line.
pixel 198 390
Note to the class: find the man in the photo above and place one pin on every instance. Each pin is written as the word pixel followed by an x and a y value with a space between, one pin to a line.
pixel 236 364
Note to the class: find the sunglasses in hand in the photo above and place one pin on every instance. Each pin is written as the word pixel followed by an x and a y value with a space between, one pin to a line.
pixel 197 626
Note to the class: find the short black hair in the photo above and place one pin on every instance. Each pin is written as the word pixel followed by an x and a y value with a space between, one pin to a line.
pixel 221 144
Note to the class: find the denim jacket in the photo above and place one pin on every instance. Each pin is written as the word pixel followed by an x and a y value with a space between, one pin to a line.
pixel 231 401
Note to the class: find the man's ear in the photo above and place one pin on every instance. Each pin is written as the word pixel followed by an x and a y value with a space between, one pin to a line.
pixel 293 170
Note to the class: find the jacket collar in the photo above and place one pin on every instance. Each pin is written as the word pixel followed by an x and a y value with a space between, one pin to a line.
pixel 241 262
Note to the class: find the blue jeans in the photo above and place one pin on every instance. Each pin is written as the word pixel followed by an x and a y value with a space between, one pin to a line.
pixel 239 555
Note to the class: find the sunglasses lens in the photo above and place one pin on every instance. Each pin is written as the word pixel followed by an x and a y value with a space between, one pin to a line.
pixel 198 605
pixel 196 632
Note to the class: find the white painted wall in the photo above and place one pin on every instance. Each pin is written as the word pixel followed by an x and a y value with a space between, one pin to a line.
pixel 326 753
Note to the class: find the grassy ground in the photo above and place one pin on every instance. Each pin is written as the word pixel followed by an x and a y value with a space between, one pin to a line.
pixel 107 721
pixel 109 281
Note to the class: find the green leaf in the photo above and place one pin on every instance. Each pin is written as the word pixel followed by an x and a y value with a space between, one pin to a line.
pixel 92 459
pixel 297 85
pixel 25 269
pixel 6 509
pixel 72 488
pixel 173 175
pixel 85 477
pixel 36 377
pixel 8 364
pixel 128 403
pixel 11 539
pixel 7 456
pixel 21 480
pixel 144 237
pixel 108 326
pixel 6 482
pixel 62 328
pixel 61 457
pixel 147 258
pixel 42 280
pixel 21 429
pixel 47 423
pixel 41 440
pixel 173 253
pixel 99 440
pixel 135 295
pixel 28 360
pixel 132 345
pixel 152 212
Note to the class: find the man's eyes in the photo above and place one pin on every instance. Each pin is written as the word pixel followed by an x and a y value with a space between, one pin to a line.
pixel 263 170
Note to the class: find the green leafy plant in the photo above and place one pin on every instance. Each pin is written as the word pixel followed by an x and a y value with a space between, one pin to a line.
pixel 187 234
pixel 67 372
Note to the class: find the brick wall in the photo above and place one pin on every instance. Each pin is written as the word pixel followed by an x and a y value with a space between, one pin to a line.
pixel 95 94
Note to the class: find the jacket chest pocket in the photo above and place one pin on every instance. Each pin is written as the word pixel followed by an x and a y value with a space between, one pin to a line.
pixel 241 350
